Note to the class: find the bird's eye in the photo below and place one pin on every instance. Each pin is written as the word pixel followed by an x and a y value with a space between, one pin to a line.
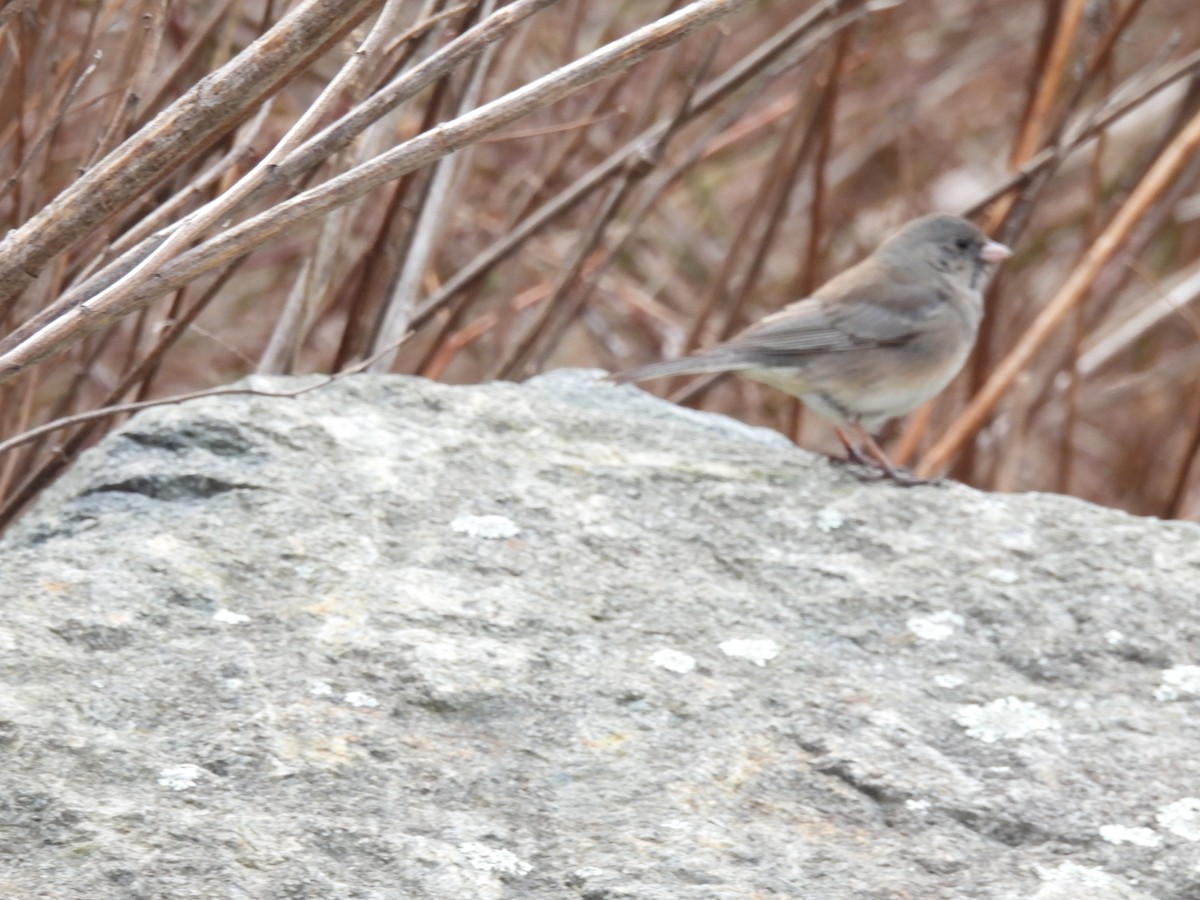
pixel 963 243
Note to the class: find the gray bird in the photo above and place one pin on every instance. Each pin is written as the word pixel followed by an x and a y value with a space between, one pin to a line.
pixel 872 343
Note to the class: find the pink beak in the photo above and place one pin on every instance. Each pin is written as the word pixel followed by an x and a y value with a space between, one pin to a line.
pixel 994 252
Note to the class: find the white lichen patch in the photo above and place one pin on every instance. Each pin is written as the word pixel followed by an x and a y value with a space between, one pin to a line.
pixel 492 528
pixel 949 682
pixel 936 626
pixel 1003 576
pixel 320 689
pixel 758 650
pixel 1125 834
pixel 1008 718
pixel 1182 818
pixel 181 777
pixel 673 660
pixel 229 617
pixel 1077 875
pixel 830 519
pixel 358 698
pixel 489 859
pixel 1180 682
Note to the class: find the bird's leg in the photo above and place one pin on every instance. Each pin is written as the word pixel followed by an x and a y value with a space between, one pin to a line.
pixel 871 454
pixel 899 475
pixel 853 453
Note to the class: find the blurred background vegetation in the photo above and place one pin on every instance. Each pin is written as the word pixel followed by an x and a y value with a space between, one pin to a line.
pixel 649 211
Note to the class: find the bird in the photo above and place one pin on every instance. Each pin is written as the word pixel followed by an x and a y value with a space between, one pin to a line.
pixel 872 343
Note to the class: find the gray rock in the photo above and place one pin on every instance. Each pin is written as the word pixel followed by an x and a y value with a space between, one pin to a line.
pixel 394 639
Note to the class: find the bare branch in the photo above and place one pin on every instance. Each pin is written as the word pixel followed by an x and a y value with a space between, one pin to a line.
pixel 193 122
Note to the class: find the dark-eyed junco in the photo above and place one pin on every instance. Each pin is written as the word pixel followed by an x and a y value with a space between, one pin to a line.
pixel 872 343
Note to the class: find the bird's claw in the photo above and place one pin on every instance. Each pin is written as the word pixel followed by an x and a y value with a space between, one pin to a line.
pixel 867 468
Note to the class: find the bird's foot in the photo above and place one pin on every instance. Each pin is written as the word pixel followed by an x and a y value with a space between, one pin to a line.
pixel 867 469
pixel 873 465
pixel 904 477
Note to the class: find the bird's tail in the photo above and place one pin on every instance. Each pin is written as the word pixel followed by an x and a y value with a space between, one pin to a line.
pixel 703 363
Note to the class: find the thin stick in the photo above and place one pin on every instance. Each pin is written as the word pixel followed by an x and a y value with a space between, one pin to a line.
pixel 297 312
pixel 639 167
pixel 51 128
pixel 1187 471
pixel 1047 82
pixel 402 299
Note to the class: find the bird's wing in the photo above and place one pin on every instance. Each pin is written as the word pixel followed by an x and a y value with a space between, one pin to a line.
pixel 872 311
pixel 859 321
pixel 801 327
